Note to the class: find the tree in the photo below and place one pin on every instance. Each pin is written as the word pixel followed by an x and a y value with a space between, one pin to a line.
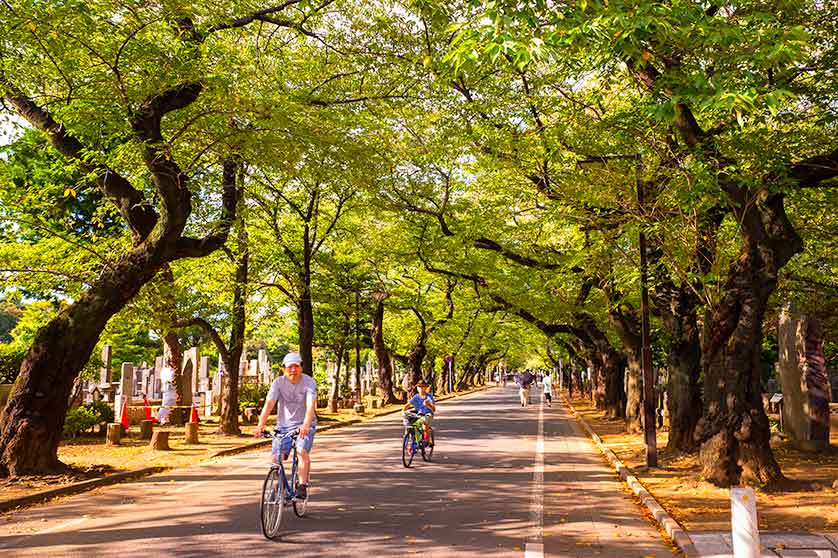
pixel 126 129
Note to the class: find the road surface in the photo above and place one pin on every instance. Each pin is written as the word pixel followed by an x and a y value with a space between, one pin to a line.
pixel 505 482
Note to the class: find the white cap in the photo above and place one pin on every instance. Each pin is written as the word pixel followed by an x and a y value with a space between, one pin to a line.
pixel 292 358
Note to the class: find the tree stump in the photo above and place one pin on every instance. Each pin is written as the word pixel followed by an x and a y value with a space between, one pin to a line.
pixel 114 433
pixel 159 440
pixel 146 429
pixel 191 432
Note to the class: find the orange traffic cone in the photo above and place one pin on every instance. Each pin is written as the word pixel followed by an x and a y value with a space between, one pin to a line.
pixel 148 415
pixel 124 415
pixel 194 416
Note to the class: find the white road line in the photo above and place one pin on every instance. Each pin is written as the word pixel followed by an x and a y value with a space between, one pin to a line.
pixel 58 527
pixel 534 547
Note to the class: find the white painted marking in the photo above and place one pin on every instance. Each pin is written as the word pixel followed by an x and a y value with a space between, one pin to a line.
pixel 58 527
pixel 534 547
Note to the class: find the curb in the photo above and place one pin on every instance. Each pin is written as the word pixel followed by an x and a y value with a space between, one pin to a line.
pixel 672 528
pixel 84 486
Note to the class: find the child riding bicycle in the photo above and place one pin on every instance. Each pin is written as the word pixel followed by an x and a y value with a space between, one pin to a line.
pixel 423 405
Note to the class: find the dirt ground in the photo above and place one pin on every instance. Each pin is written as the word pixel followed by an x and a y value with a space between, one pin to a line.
pixel 700 506
pixel 90 458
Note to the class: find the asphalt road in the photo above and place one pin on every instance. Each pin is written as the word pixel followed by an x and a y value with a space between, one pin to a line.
pixel 505 481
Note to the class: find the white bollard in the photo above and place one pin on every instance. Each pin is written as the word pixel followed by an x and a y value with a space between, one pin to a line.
pixel 743 518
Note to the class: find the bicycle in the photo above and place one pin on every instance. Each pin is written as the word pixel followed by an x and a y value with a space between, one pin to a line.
pixel 279 490
pixel 414 439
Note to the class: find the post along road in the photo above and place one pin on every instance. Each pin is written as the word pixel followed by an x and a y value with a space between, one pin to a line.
pixel 505 481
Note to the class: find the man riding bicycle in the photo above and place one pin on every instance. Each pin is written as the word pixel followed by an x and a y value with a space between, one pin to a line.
pixel 296 395
pixel 423 405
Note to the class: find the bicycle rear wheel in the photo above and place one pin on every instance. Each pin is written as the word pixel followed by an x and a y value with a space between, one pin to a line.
pixel 273 496
pixel 428 449
pixel 408 450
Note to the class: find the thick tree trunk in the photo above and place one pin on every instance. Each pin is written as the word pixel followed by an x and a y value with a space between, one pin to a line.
pixel 382 353
pixel 613 394
pixel 677 306
pixel 173 357
pixel 684 393
pixel 634 392
pixel 415 360
pixel 33 418
pixel 734 429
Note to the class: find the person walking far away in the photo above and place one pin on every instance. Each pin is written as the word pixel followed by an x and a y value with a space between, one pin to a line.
pixel 423 404
pixel 547 383
pixel 295 396
pixel 524 381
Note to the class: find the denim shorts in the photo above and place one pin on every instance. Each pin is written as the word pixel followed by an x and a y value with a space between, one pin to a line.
pixel 285 445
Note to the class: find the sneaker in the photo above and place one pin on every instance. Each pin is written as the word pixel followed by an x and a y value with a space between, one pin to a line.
pixel 302 492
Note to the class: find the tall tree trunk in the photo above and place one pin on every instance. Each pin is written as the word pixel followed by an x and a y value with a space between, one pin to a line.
pixel 613 394
pixel 382 353
pixel 305 328
pixel 734 428
pixel 230 406
pixel 415 360
pixel 677 307
pixel 334 392
pixel 626 323
pixel 33 418
pixel 634 391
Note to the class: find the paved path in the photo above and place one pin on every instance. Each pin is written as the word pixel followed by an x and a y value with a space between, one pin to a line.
pixel 493 490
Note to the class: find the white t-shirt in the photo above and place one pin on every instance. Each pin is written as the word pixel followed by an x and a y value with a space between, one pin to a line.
pixel 291 400
pixel 547 382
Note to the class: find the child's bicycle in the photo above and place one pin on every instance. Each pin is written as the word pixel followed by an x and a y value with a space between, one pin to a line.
pixel 279 490
pixel 414 439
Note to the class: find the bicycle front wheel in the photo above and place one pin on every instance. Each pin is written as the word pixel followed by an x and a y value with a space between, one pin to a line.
pixel 273 496
pixel 428 449
pixel 300 506
pixel 408 449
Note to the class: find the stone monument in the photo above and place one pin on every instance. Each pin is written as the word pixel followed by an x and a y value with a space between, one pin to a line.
pixel 803 379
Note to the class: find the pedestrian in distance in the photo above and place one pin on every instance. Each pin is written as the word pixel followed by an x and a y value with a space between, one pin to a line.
pixel 524 382
pixel 295 396
pixel 547 384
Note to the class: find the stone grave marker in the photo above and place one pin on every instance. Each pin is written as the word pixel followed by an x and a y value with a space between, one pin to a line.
pixel 126 388
pixel 804 381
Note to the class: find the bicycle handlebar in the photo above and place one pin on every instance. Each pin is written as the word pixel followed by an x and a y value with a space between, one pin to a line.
pixel 276 434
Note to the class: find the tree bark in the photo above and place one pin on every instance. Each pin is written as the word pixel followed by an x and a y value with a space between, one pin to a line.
pixel 734 429
pixel 634 391
pixel 230 404
pixel 382 353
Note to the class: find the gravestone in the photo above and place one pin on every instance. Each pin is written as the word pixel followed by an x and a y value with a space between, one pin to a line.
pixel 207 403
pixel 105 370
pixel 186 381
pixel 264 366
pixel 192 357
pixel 804 381
pixel 203 375
pixel 126 388
pixel 157 384
pixel 253 368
